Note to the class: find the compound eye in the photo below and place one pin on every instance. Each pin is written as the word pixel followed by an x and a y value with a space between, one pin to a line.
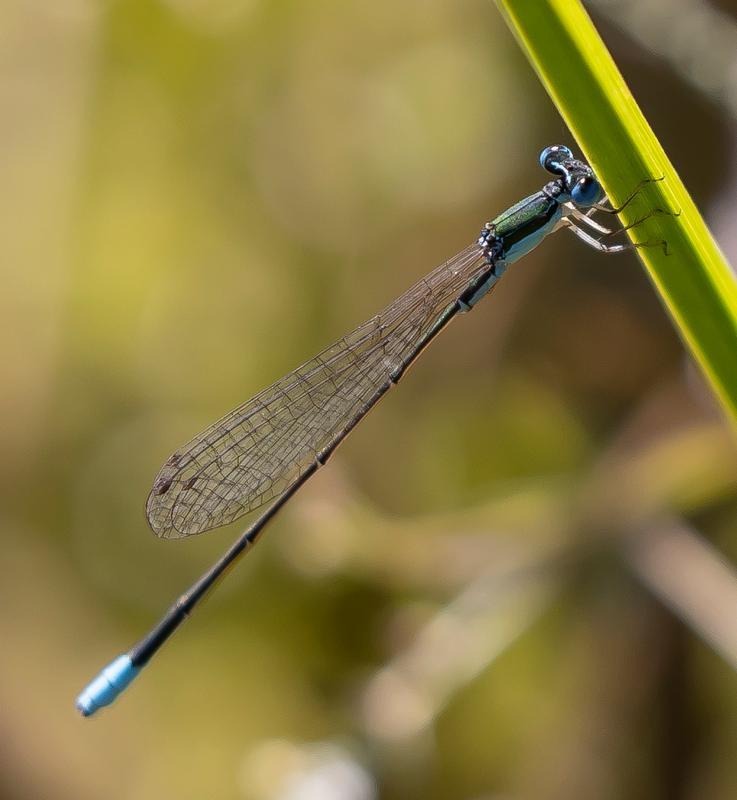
pixel 552 155
pixel 587 191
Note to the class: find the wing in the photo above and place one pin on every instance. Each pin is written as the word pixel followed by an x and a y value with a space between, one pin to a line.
pixel 254 453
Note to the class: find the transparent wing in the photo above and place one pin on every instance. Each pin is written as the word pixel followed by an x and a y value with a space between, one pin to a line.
pixel 251 455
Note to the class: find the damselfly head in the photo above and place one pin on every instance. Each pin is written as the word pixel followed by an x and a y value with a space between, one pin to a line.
pixel 578 179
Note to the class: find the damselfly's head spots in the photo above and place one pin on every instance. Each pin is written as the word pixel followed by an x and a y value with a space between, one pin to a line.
pixel 552 158
pixel 577 180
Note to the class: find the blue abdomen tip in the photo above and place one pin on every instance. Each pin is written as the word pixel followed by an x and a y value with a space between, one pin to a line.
pixel 107 685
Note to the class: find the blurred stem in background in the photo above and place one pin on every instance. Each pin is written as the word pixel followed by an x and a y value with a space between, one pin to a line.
pixel 695 282
pixel 698 40
pixel 623 509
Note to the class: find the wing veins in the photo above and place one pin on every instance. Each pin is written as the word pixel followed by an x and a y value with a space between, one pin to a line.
pixel 351 372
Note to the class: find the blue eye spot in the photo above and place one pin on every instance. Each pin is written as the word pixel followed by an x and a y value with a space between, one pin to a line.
pixel 587 191
pixel 556 151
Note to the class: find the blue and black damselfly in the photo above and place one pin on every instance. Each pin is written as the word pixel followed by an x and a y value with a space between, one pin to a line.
pixel 270 446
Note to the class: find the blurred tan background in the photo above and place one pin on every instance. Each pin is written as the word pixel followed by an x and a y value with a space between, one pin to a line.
pixel 516 579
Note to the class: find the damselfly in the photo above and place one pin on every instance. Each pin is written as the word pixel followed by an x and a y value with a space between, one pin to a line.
pixel 267 448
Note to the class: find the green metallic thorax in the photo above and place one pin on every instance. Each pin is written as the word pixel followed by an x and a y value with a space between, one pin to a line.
pixel 524 225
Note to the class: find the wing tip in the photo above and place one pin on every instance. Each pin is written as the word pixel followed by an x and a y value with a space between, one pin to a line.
pixel 160 523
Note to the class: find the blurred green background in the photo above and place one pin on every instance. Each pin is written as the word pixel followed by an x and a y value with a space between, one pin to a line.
pixel 515 580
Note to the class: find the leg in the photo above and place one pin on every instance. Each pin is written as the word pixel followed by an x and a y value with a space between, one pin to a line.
pixel 640 186
pixel 597 244
pixel 585 219
pixel 591 223
pixel 591 241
